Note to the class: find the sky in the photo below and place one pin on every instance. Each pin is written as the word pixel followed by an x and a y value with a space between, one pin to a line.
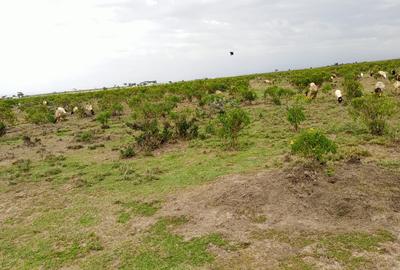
pixel 58 45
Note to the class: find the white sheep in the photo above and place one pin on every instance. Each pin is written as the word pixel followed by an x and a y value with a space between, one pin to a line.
pixel 267 81
pixel 74 110
pixel 218 92
pixel 44 102
pixel 339 96
pixel 89 110
pixel 379 87
pixel 383 74
pixel 312 91
pixel 60 114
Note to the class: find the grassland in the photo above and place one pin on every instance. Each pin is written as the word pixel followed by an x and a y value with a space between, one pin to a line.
pixel 69 201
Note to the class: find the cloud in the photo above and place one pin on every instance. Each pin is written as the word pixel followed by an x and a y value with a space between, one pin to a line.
pixel 56 45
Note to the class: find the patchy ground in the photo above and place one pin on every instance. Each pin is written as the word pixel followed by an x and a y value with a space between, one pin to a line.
pixel 68 201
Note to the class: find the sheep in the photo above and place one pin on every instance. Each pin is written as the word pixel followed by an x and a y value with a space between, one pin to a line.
pixel 379 87
pixel 394 72
pixel 60 114
pixel 312 91
pixel 44 102
pixel 218 92
pixel 267 81
pixel 397 77
pixel 383 74
pixel 339 96
pixel 89 110
pixel 74 110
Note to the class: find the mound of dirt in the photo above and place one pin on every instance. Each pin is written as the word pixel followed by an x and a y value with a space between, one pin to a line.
pixel 358 196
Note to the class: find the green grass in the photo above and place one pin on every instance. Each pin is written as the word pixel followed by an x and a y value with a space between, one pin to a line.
pixel 341 247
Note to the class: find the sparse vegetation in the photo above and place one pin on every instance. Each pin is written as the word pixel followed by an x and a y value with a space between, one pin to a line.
pixel 103 119
pixel 74 197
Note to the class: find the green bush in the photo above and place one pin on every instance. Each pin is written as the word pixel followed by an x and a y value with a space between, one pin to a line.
pixel 295 115
pixel 327 88
pixel 313 144
pixel 352 89
pixel 6 113
pixel 152 136
pixel 247 95
pixel 186 126
pixel 103 119
pixel 40 115
pixel 3 129
pixel 276 93
pixel 127 152
pixel 232 122
pixel 373 112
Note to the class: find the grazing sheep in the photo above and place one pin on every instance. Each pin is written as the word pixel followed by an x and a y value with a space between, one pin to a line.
pixel 312 91
pixel 74 110
pixel 394 72
pixel 218 92
pixel 383 74
pixel 339 96
pixel 397 77
pixel 379 87
pixel 44 102
pixel 267 81
pixel 89 110
pixel 60 114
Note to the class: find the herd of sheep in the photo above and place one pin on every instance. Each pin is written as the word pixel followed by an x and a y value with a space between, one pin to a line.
pixel 312 92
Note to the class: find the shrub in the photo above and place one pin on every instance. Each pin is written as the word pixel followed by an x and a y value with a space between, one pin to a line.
pixel 352 89
pixel 186 127
pixel 276 93
pixel 327 88
pixel 247 95
pixel 232 122
pixel 127 152
pixel 373 112
pixel 295 116
pixel 6 113
pixel 103 118
pixel 152 137
pixel 313 144
pixel 40 115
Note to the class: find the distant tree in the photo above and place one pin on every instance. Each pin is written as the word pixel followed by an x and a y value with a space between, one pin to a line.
pixel 20 94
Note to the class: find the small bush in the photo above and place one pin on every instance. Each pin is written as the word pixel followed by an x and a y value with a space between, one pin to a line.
pixel 152 136
pixel 232 122
pixel 373 112
pixel 276 93
pixel 247 95
pixel 313 144
pixel 103 119
pixel 295 115
pixel 3 129
pixel 127 152
pixel 327 88
pixel 352 89
pixel 186 127
pixel 40 115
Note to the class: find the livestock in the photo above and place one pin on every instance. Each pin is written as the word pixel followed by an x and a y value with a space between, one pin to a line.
pixel 382 74
pixel 60 114
pixel 339 96
pixel 312 91
pixel 379 87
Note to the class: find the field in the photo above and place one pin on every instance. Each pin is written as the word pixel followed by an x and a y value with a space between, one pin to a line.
pixel 157 180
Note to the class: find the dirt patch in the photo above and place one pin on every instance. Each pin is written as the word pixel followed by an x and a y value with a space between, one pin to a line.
pixel 361 197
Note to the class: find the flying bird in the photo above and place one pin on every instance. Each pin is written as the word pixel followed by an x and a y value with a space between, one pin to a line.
pixel 231 53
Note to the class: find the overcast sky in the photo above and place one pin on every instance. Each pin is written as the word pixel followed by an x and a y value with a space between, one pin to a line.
pixel 56 45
